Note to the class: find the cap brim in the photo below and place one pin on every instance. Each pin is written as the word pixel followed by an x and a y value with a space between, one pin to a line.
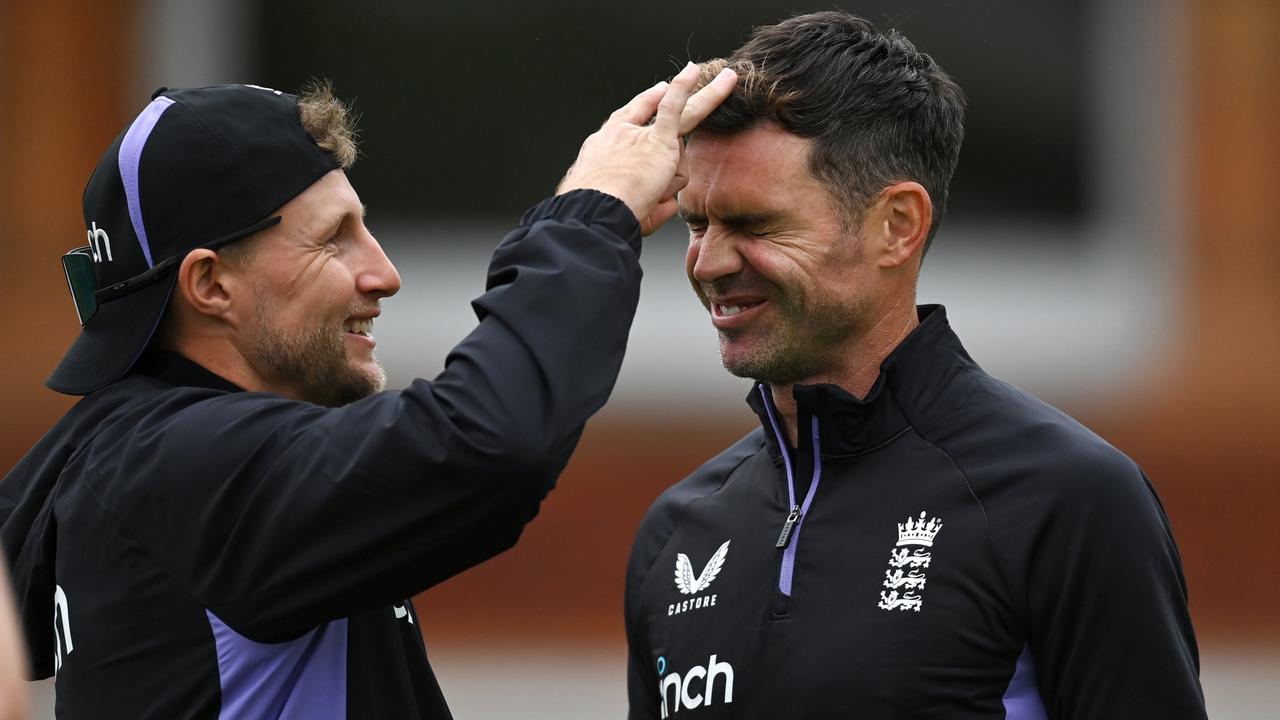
pixel 113 340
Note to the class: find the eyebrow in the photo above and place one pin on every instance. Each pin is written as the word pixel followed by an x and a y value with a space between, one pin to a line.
pixel 744 219
pixel 749 219
pixel 334 223
pixel 689 216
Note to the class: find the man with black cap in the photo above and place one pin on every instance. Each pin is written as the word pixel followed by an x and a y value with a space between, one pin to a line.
pixel 231 521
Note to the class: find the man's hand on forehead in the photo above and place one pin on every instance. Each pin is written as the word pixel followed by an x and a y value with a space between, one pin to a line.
pixel 641 164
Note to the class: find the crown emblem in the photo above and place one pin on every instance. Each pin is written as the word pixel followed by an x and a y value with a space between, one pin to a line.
pixel 919 532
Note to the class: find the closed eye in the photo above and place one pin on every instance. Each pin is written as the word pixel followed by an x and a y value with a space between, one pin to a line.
pixel 332 241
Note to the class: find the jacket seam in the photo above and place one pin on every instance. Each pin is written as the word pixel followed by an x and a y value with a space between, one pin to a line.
pixel 680 514
pixel 986 520
pixel 145 550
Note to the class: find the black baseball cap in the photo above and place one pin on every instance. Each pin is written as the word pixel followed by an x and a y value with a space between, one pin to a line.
pixel 198 168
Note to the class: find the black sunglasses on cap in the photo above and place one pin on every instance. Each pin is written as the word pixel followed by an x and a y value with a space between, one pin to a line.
pixel 78 267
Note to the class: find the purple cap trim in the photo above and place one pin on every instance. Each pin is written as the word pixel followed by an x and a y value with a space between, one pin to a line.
pixel 789 555
pixel 301 679
pixel 1022 700
pixel 131 157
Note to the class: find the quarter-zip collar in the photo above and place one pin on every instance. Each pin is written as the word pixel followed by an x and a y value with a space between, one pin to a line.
pixel 909 386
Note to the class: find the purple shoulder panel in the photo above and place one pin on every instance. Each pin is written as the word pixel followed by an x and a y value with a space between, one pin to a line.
pixel 301 679
pixel 1022 699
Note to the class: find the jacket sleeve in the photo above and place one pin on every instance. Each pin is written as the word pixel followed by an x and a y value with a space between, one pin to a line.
pixel 1108 627
pixel 279 515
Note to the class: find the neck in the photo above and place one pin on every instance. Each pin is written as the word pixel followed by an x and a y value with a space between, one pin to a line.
pixel 860 366
pixel 224 360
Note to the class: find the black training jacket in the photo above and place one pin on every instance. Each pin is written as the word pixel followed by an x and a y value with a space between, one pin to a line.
pixel 959 550
pixel 181 549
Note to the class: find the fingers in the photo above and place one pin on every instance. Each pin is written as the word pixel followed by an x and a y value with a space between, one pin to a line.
pixel 707 99
pixel 662 212
pixel 673 100
pixel 669 204
pixel 681 178
pixel 642 106
pixel 667 122
pixel 642 165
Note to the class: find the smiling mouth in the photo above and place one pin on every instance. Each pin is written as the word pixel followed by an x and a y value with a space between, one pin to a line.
pixel 727 311
pixel 362 327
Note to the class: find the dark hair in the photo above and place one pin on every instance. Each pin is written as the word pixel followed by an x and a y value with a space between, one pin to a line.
pixel 877 110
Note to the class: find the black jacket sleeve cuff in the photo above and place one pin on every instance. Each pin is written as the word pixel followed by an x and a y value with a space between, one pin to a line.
pixel 590 207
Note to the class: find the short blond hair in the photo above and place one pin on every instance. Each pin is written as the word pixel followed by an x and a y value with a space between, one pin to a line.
pixel 329 121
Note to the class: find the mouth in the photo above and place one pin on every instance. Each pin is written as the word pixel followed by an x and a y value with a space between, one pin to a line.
pixel 725 315
pixel 730 310
pixel 361 328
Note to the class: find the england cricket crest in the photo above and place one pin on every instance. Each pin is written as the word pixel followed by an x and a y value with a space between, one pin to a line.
pixel 908 561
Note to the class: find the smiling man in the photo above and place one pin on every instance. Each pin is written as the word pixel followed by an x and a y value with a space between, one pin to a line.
pixel 904 536
pixel 232 521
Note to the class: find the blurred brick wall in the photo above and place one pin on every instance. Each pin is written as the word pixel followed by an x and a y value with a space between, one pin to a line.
pixel 64 67
pixel 1206 427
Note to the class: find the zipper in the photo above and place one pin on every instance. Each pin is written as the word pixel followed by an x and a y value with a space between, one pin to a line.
pixel 789 537
pixel 792 517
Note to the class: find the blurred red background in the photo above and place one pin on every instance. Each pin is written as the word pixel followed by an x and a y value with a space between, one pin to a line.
pixel 1204 424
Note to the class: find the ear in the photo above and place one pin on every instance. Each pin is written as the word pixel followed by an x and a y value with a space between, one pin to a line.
pixel 906 213
pixel 203 283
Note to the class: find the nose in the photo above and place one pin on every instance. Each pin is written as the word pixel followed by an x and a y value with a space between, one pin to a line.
pixel 713 255
pixel 377 276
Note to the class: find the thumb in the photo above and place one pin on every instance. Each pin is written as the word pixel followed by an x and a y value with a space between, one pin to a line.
pixel 662 212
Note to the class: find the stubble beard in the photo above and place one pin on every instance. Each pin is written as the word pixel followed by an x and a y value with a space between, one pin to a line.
pixel 805 342
pixel 313 362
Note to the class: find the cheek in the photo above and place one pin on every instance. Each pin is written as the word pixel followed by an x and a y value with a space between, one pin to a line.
pixel 769 263
pixel 322 275
pixel 331 288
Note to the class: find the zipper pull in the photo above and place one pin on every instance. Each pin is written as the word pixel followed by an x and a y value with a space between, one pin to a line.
pixel 785 535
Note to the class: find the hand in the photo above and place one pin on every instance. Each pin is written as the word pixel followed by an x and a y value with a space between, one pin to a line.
pixel 641 164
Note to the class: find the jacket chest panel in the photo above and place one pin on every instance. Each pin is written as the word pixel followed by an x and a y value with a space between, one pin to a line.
pixel 897 603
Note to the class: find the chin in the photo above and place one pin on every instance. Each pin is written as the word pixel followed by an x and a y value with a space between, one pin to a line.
pixel 742 358
pixel 372 375
pixel 366 369
pixel 739 366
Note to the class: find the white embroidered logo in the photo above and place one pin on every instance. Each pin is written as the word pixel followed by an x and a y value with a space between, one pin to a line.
pixel 682 691
pixel 61 627
pixel 402 612
pixel 688 584
pixel 99 243
pixel 905 577
pixel 259 87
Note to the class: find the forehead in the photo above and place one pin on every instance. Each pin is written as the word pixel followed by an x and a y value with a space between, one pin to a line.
pixel 325 202
pixel 764 165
